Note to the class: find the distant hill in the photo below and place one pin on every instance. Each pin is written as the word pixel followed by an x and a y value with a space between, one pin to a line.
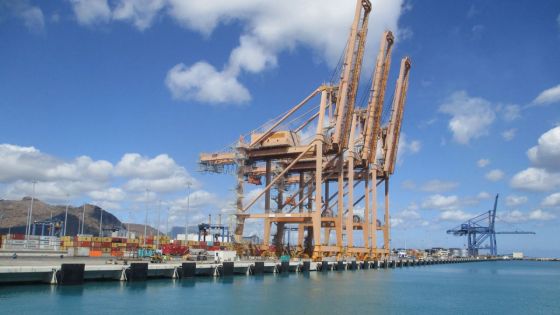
pixel 14 216
pixel 138 229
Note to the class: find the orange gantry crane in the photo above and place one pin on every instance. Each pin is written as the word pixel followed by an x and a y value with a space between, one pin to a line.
pixel 322 163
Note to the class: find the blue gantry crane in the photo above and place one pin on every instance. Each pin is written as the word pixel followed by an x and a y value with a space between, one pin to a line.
pixel 481 233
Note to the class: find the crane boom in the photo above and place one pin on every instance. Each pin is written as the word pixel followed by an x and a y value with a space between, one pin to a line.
pixel 351 74
pixel 377 96
pixel 394 128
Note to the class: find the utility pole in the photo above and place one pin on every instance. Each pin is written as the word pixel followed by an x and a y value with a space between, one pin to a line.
pixel 187 213
pixel 146 218
pixel 101 224
pixel 83 219
pixel 30 216
pixel 158 223
pixel 167 223
pixel 66 213
pixel 128 224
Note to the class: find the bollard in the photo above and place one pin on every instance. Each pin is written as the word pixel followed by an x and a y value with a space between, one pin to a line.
pixel 325 266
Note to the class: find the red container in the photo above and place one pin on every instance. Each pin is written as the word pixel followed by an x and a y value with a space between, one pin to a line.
pixel 202 243
pixel 84 244
pixel 106 244
pixel 18 236
pixel 216 243
pixel 96 245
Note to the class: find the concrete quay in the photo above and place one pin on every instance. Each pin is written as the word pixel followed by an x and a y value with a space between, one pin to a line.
pixel 78 271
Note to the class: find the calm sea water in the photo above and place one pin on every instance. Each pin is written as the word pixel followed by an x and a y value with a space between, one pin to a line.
pixel 474 288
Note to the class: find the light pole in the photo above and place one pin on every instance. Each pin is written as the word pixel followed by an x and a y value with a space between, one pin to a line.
pixel 66 213
pixel 29 217
pixel 158 223
pixel 167 223
pixel 187 213
pixel 83 219
pixel 146 218
pixel 101 224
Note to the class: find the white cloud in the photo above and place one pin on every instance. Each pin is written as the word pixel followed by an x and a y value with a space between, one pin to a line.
pixel 159 174
pixel 268 29
pixel 272 27
pixel 517 216
pixel 514 216
pixel 515 200
pixel 509 134
pixel 552 200
pixel 440 202
pixel 407 146
pixel 548 96
pixel 494 175
pixel 408 184
pixel 90 12
pixel 408 218
pixel 31 16
pixel 28 164
pixel 58 180
pixel 545 157
pixel 477 31
pixel 438 186
pixel 201 82
pixel 135 165
pixel 511 112
pixel 470 116
pixel 109 194
pixel 454 215
pixel 540 215
pixel 546 153
pixel 483 162
pixel 140 12
pixel 535 179
pixel 483 195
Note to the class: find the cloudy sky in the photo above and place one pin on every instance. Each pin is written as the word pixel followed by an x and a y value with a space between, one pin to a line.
pixel 100 100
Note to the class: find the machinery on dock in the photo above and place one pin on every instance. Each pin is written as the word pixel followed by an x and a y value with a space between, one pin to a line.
pixel 321 163
pixel 480 232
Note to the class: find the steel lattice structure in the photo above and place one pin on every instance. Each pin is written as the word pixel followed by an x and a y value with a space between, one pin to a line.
pixel 318 183
pixel 481 233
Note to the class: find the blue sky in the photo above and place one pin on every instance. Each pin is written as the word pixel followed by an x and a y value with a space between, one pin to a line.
pixel 101 99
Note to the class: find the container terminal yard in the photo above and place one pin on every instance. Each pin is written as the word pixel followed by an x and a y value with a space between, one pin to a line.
pixel 318 162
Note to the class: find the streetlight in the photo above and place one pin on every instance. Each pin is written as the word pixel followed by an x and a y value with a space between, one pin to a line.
pixel 83 218
pixel 167 223
pixel 66 213
pixel 146 219
pixel 187 213
pixel 101 224
pixel 158 224
pixel 29 217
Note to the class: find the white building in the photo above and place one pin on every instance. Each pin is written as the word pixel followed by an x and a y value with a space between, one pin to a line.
pixel 517 255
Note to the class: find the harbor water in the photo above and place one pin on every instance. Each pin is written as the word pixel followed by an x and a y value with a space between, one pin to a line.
pixel 500 287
